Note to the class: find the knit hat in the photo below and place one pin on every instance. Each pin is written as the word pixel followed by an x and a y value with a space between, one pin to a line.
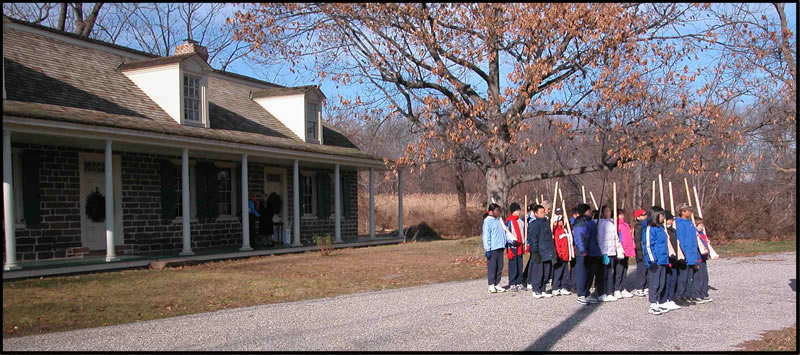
pixel 558 210
pixel 685 207
pixel 639 212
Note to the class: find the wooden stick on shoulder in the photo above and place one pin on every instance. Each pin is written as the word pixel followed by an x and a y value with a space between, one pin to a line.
pixel 670 250
pixel 566 222
pixel 711 252
pixel 594 202
pixel 672 207
pixel 583 192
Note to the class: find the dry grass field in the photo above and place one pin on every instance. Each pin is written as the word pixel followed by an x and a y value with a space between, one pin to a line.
pixel 439 211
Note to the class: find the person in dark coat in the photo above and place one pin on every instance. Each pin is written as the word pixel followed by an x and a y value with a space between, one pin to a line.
pixel 543 252
pixel 264 220
pixel 640 285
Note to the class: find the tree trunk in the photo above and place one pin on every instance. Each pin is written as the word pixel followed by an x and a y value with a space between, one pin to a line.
pixel 62 16
pixel 497 186
pixel 462 193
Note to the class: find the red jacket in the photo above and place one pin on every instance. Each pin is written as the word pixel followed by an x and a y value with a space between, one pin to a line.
pixel 562 242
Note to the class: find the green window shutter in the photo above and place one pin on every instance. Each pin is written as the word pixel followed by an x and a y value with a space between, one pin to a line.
pixel 238 191
pixel 346 210
pixel 213 190
pixel 168 191
pixel 201 188
pixel 30 188
pixel 323 195
pixel 301 193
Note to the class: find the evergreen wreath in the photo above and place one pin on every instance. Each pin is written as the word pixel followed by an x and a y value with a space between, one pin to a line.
pixel 96 206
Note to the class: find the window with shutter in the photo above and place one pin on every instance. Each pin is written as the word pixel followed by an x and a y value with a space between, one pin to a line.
pixel 323 195
pixel 30 189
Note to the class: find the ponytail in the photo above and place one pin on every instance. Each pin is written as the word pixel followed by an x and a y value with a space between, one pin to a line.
pixel 492 207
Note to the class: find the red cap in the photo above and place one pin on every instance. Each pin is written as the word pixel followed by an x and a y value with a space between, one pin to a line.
pixel 639 212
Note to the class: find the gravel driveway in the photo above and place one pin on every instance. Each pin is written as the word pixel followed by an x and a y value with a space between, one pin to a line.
pixel 750 295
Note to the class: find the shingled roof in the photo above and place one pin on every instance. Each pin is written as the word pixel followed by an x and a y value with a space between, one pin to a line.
pixel 89 88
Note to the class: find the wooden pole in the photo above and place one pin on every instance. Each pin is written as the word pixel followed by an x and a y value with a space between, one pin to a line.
pixel 553 207
pixel 672 207
pixel 583 192
pixel 569 227
pixel 594 201
pixel 661 189
pixel 689 198
pixel 712 253
pixel 620 252
pixel 653 194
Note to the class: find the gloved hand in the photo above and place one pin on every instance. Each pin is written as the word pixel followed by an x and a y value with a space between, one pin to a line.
pixel 537 258
pixel 606 260
pixel 514 243
pixel 696 267
pixel 527 249
pixel 488 254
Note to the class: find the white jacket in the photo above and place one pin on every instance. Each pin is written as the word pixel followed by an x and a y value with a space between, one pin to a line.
pixel 607 237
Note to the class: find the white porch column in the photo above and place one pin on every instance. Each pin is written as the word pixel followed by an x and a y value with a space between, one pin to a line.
pixel 296 205
pixel 245 208
pixel 8 205
pixel 185 204
pixel 337 203
pixel 371 203
pixel 400 204
pixel 111 254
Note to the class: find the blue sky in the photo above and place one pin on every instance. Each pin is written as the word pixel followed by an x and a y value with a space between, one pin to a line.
pixel 281 74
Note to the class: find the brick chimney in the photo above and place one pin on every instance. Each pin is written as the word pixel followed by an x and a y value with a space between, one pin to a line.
pixel 190 46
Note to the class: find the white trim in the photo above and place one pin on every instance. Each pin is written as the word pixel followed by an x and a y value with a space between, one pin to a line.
pixel 79 130
pixel 75 41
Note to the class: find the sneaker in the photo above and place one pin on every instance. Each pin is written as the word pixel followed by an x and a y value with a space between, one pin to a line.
pixel 547 294
pixel 654 309
pixel 530 287
pixel 671 305
pixel 513 288
pixel 646 291
pixel 617 294
pixel 625 294
pixel 682 303
pixel 708 299
pixel 582 300
pixel 638 293
pixel 492 289
pixel 537 295
pixel 520 287
pixel 607 298
pixel 592 300
pixel 663 308
pixel 565 292
pixel 499 288
pixel 699 300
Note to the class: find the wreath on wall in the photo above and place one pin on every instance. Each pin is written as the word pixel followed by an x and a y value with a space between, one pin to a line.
pixel 96 206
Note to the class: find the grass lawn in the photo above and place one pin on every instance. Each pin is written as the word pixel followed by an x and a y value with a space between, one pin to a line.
pixel 83 301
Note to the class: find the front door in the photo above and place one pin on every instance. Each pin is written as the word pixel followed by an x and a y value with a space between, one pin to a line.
pixel 275 181
pixel 92 177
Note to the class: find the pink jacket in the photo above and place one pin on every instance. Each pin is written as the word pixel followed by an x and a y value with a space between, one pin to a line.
pixel 626 238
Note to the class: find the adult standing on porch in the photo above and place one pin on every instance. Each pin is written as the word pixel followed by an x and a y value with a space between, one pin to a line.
pixel 252 214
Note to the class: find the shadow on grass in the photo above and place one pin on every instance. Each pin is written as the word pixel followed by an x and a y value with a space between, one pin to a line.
pixel 548 339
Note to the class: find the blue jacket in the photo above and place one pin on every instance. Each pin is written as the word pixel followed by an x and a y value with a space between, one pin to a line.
pixel 585 236
pixel 655 248
pixel 494 236
pixel 540 238
pixel 687 236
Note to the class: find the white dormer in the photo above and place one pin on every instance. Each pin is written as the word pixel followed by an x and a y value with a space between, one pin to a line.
pixel 178 84
pixel 298 108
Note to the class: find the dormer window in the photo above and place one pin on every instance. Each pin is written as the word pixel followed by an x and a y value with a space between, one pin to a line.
pixel 191 99
pixel 312 118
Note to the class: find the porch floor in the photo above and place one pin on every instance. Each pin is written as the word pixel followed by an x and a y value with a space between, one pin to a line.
pixel 40 268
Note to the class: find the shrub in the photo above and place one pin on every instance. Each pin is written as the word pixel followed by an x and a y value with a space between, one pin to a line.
pixel 324 243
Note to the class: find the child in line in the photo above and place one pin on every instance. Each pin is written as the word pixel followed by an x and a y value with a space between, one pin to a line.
pixel 671 274
pixel 656 257
pixel 687 236
pixel 606 239
pixel 585 239
pixel 543 252
pixel 526 272
pixel 515 253
pixel 621 270
pixel 640 284
pixel 700 282
pixel 494 241
pixel 561 274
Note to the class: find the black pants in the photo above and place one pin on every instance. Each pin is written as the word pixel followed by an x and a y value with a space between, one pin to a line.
pixel 571 273
pixel 515 270
pixel 561 275
pixel 656 279
pixel 700 281
pixel 684 276
pixel 608 277
pixel 620 272
pixel 582 273
pixel 526 275
pixel 670 283
pixel 540 273
pixel 641 276
pixel 595 274
pixel 495 265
